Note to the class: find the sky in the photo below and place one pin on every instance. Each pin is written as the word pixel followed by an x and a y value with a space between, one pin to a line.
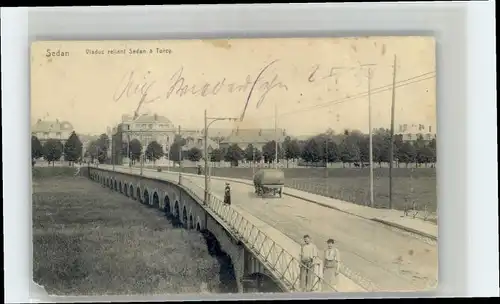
pixel 311 84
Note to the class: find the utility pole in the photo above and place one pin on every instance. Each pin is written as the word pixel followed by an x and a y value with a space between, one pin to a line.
pixel 253 160
pixel 276 134
pixel 180 150
pixel 207 125
pixel 205 152
pixel 372 202
pixel 391 146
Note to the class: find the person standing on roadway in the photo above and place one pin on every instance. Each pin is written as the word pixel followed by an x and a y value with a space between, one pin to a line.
pixel 227 194
pixel 308 258
pixel 331 267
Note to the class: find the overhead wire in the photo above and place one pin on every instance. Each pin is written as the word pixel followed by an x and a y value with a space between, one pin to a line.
pixel 388 87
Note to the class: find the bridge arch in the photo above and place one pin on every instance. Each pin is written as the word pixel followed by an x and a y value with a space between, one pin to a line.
pixel 227 273
pixel 191 221
pixel 156 200
pixel 198 223
pixel 259 282
pixel 177 212
pixel 138 194
pixel 116 185
pixel 184 216
pixel 120 189
pixel 131 192
pixel 145 198
pixel 125 189
pixel 166 205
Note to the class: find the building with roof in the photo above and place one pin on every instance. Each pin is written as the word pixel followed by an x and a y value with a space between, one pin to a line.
pixel 152 127
pixel 412 132
pixel 45 129
pixel 256 137
pixel 198 142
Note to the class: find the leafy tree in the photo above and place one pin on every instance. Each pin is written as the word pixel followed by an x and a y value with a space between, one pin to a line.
pixel 52 150
pixel 407 153
pixel 217 155
pixel 398 144
pixel 291 149
pixel 252 154
pixel 36 148
pixel 102 144
pixel 176 146
pixel 154 151
pixel 332 151
pixel 135 150
pixel 269 151
pixel 381 144
pixel 422 154
pixel 432 148
pixel 233 154
pixel 313 151
pixel 194 154
pixel 73 148
pixel 92 150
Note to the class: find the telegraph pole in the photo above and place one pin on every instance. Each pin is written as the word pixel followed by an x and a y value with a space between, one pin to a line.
pixel 276 135
pixel 391 146
pixel 253 160
pixel 372 202
pixel 205 152
pixel 205 145
pixel 180 150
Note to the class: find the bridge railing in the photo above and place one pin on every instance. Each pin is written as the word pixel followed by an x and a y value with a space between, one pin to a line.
pixel 198 191
pixel 280 262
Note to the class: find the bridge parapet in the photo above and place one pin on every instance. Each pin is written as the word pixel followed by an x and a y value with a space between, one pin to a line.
pixel 281 264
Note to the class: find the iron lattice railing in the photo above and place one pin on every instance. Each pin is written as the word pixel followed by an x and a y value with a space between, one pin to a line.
pixel 283 265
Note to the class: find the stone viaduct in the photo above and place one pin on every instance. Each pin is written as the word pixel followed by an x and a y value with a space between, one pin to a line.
pixel 260 265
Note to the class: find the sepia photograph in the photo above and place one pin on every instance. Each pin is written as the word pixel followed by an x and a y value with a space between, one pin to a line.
pixel 271 165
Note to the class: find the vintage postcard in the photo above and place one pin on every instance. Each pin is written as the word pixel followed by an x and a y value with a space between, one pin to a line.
pixel 234 166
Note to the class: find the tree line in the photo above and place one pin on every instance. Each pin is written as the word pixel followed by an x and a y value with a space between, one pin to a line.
pixel 53 150
pixel 351 148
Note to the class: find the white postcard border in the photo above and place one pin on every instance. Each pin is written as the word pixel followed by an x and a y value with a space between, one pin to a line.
pixel 468 245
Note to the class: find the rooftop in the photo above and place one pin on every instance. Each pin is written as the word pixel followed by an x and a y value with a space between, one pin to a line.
pixel 147 118
pixel 51 126
pixel 248 136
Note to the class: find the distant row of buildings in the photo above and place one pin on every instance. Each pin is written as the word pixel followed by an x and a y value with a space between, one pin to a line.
pixel 153 127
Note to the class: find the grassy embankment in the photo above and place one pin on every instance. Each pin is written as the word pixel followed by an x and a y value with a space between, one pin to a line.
pixel 88 240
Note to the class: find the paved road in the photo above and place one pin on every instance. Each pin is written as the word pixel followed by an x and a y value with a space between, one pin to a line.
pixel 389 258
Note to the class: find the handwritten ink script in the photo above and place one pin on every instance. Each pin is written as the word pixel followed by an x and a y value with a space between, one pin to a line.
pixel 256 86
pixel 261 85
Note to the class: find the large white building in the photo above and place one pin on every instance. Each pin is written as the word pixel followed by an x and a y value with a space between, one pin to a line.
pixel 44 130
pixel 153 127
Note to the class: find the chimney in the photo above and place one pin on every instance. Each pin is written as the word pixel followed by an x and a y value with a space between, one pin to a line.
pixel 430 129
pixel 156 117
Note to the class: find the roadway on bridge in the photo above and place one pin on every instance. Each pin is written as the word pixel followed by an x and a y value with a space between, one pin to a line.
pixel 391 259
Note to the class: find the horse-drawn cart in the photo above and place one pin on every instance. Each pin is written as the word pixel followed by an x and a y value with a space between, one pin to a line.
pixel 269 181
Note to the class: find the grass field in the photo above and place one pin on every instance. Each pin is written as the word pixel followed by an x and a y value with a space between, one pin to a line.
pixel 353 184
pixel 90 241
